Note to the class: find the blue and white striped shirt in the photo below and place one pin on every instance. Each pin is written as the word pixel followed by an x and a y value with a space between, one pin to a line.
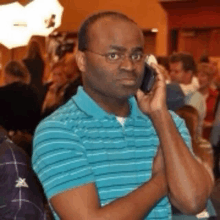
pixel 80 143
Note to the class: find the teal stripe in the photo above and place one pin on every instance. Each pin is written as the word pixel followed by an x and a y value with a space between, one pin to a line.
pixel 74 148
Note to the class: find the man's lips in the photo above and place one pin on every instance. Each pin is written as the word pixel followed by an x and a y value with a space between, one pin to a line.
pixel 128 81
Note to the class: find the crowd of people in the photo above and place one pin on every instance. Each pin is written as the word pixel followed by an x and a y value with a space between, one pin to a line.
pixel 101 148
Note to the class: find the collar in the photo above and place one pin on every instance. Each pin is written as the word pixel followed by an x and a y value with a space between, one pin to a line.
pixel 191 87
pixel 90 107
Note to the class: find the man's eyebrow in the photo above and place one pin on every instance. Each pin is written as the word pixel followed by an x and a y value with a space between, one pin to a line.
pixel 123 49
pixel 120 48
pixel 138 49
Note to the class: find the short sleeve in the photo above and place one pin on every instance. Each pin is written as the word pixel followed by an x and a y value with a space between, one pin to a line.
pixel 59 159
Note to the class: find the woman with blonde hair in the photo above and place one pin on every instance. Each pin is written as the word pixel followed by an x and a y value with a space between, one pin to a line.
pixel 35 64
pixel 205 76
pixel 203 152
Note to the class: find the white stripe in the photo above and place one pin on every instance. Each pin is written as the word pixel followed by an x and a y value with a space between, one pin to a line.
pixel 55 167
pixel 52 155
pixel 104 141
pixel 49 121
pixel 116 190
pixel 7 163
pixel 58 142
pixel 119 152
pixel 120 177
pixel 147 139
pixel 161 210
pixel 19 200
pixel 126 164
pixel 16 168
pixel 110 130
pixel 60 177
pixel 59 132
pixel 24 200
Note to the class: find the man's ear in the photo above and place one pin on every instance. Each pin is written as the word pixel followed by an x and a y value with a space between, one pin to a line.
pixel 81 61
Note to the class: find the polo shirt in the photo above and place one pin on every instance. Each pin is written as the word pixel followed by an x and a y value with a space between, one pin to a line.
pixel 80 143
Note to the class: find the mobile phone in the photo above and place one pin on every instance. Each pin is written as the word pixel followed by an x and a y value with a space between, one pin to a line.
pixel 148 79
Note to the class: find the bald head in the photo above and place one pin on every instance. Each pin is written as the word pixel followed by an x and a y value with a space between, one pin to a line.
pixel 101 17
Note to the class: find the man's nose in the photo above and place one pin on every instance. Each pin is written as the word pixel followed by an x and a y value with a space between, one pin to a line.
pixel 127 64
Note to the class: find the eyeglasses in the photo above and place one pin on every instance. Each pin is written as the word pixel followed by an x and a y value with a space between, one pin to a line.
pixel 118 57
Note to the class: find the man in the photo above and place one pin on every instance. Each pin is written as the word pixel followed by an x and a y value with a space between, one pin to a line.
pixel 94 155
pixel 21 195
pixel 15 71
pixel 182 72
pixel 20 107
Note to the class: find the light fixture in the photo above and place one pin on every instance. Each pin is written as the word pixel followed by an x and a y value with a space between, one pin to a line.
pixel 19 23
pixel 14 29
pixel 43 16
pixel 154 30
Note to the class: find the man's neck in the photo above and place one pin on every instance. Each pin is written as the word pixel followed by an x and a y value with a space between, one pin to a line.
pixel 112 105
pixel 204 90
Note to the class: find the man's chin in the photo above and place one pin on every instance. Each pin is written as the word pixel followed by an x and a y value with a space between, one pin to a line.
pixel 126 92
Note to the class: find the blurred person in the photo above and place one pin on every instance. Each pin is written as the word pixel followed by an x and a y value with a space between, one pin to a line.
pixel 215 141
pixel 65 79
pixel 34 61
pixel 203 151
pixel 205 76
pixel 215 132
pixel 216 77
pixel 204 58
pixel 165 73
pixel 104 155
pixel 21 195
pixel 164 61
pixel 55 89
pixel 182 72
pixel 74 76
pixel 15 71
pixel 202 148
pixel 20 107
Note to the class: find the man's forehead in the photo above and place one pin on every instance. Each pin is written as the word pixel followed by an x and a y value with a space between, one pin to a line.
pixel 110 28
pixel 177 65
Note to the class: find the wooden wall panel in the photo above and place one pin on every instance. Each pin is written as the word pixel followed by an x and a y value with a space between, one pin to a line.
pixel 214 43
pixel 147 13
pixel 150 42
pixel 200 41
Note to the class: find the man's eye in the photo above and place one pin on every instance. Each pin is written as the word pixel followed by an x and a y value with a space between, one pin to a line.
pixel 137 56
pixel 113 56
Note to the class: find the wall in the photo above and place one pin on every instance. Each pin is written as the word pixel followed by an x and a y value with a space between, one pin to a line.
pixel 200 41
pixel 192 14
pixel 147 13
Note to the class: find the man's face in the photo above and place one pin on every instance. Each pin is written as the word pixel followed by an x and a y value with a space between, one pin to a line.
pixel 177 73
pixel 8 79
pixel 204 79
pixel 58 76
pixel 113 79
